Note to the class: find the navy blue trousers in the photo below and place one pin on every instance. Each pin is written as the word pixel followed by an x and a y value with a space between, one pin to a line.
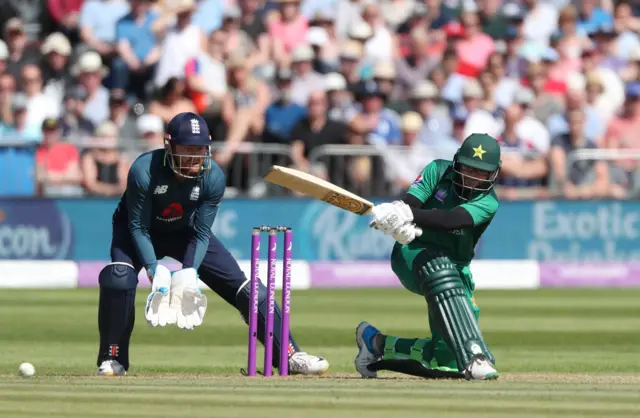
pixel 219 271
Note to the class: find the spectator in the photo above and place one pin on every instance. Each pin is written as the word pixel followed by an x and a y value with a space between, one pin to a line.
pixel 171 100
pixel 65 15
pixel 20 128
pixel 89 73
pixel 604 39
pixel 360 33
pixel 39 105
pixel 121 116
pixel 505 86
pixel 626 26
pixel 75 126
pixel 7 91
pixel 586 179
pixel 478 119
pixel 237 41
pixel 396 12
pixel 318 40
pixel 98 23
pixel 493 22
pixel 341 106
pixel 315 130
pixel 331 48
pixel 305 80
pixel 417 64
pixel 382 123
pixel 179 38
pixel 540 22
pixel 150 131
pixel 348 14
pixel 576 98
pixel 435 118
pixel 592 16
pixel 138 50
pixel 622 132
pixel 55 66
pixel 475 47
pixel 206 75
pixel 209 15
pixel 104 167
pixel 525 168
pixel 4 56
pixel 401 165
pixel 58 164
pixel 416 22
pixel 287 30
pixel 282 115
pixel 384 75
pixel 252 23
pixel 380 45
pixel 19 54
pixel 349 63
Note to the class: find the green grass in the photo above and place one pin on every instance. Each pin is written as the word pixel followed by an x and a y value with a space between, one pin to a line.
pixel 561 353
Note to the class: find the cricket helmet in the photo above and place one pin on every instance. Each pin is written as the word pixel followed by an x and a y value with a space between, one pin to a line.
pixel 191 133
pixel 478 152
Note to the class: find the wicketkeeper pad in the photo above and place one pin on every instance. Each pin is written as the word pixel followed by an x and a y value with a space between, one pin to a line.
pixel 453 317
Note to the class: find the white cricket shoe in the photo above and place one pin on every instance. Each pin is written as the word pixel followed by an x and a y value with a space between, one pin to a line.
pixel 480 369
pixel 306 364
pixel 365 357
pixel 111 368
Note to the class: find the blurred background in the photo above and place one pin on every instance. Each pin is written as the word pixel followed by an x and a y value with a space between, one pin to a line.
pixel 363 93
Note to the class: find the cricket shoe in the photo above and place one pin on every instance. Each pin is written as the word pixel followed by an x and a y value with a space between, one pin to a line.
pixel 111 368
pixel 306 364
pixel 480 369
pixel 366 356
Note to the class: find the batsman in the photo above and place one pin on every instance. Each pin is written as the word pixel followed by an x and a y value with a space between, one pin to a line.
pixel 453 202
pixel 167 210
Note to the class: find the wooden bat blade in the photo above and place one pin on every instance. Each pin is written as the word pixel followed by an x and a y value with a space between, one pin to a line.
pixel 318 188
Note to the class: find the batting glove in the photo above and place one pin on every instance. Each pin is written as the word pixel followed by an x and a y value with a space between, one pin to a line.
pixel 387 217
pixel 157 310
pixel 405 234
pixel 188 302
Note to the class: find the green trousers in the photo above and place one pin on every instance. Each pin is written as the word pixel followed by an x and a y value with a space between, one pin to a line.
pixel 435 351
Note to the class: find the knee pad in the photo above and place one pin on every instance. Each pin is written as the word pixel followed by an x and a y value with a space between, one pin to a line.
pixel 118 276
pixel 438 274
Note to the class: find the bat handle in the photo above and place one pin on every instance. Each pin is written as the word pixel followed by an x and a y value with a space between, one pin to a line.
pixel 418 231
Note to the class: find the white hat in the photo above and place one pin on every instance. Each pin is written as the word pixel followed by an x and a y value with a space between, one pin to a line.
pixel 56 42
pixel 361 31
pixel 302 53
pixel 524 96
pixel 149 123
pixel 4 51
pixel 335 81
pixel 424 90
pixel 89 62
pixel 472 89
pixel 107 128
pixel 351 50
pixel 317 36
pixel 385 70
pixel 412 122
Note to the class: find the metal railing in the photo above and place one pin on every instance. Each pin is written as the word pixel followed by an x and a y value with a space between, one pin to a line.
pixel 367 170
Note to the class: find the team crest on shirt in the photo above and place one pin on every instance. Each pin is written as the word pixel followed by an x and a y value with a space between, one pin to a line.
pixel 418 179
pixel 195 193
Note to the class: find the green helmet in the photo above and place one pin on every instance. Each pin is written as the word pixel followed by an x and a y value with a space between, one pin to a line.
pixel 479 152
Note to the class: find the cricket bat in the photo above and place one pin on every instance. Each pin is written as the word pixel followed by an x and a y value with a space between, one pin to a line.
pixel 320 189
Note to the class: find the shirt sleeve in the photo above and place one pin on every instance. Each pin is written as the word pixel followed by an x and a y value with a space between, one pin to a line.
pixel 139 200
pixel 482 210
pixel 423 186
pixel 203 221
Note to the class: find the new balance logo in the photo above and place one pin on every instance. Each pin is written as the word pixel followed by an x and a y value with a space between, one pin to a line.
pixel 195 126
pixel 161 189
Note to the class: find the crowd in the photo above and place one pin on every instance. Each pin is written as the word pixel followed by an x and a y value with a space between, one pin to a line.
pixel 87 85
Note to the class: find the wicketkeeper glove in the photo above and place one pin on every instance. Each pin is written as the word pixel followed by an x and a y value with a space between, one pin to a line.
pixel 188 302
pixel 157 310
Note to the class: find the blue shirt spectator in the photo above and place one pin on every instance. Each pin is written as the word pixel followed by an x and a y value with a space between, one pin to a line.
pixel 209 15
pixel 101 16
pixel 594 126
pixel 280 119
pixel 138 34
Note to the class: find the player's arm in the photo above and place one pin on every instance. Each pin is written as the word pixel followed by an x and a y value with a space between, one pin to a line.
pixel 438 219
pixel 139 197
pixel 203 221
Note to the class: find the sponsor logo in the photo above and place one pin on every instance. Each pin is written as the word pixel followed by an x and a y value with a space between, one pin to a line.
pixel 161 189
pixel 171 213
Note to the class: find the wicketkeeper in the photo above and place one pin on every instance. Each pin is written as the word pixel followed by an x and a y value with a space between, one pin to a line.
pixel 168 209
pixel 453 202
